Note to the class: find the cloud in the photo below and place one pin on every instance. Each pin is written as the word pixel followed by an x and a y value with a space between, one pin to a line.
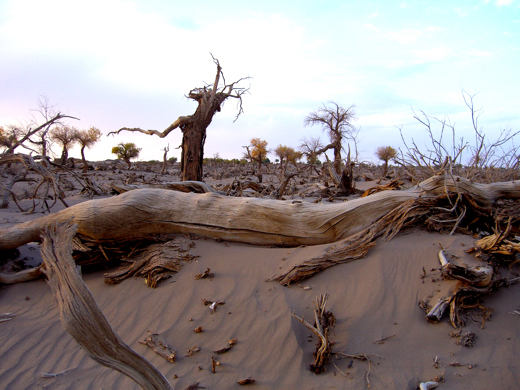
pixel 478 53
pixel 503 3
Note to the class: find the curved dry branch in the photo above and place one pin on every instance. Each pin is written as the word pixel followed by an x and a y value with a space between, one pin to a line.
pixel 180 122
pixel 48 177
pixel 82 318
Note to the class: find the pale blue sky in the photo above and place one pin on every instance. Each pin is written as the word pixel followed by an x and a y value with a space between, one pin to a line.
pixel 118 63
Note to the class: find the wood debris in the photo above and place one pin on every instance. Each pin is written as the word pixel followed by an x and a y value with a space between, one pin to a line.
pixel 382 340
pixel 392 185
pixel 230 345
pixel 194 386
pixel 214 364
pixel 204 275
pixel 54 375
pixel 247 381
pixel 200 329
pixel 212 304
pixel 359 356
pixel 466 339
pixel 324 322
pixel 428 385
pixel 6 317
pixel 192 350
pixel 159 346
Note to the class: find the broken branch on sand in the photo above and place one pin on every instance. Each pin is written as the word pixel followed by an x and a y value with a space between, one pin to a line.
pixel 159 347
pixel 82 318
pixel 324 321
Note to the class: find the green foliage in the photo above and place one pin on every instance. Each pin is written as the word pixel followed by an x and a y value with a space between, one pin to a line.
pixel 126 152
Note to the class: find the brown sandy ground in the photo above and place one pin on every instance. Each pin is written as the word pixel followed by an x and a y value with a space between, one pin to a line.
pixel 372 298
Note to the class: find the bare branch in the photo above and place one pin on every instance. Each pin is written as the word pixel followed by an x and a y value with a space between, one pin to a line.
pixel 180 122
pixel 31 132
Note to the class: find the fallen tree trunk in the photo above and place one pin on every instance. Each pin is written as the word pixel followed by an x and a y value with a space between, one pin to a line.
pixel 250 220
pixel 82 318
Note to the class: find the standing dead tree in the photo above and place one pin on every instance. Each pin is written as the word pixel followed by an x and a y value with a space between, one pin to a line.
pixel 337 121
pixel 210 99
pixel 166 150
pixel 489 160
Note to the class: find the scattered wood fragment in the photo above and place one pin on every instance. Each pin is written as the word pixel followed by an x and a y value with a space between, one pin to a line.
pixel 204 275
pixel 214 364
pixel 466 339
pixel 159 347
pixel 382 340
pixel 325 321
pixel 392 185
pixel 192 350
pixel 194 386
pixel 212 304
pixel 428 385
pixel 200 329
pixel 346 375
pixel 360 356
pixel 155 263
pixel 247 381
pixel 230 345
pixel 54 375
pixel 82 318
pixel 6 317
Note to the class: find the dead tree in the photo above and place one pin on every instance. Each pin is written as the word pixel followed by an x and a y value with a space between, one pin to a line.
pixel 337 122
pixel 210 99
pixel 166 150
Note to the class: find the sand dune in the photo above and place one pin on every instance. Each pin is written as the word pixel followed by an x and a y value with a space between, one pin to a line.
pixel 372 298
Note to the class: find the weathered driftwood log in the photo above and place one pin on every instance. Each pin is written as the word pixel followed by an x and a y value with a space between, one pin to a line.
pixel 82 318
pixel 250 220
pixel 183 186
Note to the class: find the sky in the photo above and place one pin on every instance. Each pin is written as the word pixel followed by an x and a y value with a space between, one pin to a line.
pixel 114 63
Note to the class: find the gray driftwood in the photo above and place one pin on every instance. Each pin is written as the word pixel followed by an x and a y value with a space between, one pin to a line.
pixel 82 318
pixel 249 220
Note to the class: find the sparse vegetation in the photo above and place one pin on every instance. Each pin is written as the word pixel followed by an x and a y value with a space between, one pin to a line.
pixel 126 152
pixel 65 136
pixel 385 154
pixel 86 139
pixel 258 151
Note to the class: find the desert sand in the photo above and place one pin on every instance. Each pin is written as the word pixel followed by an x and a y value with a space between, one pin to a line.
pixel 375 301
